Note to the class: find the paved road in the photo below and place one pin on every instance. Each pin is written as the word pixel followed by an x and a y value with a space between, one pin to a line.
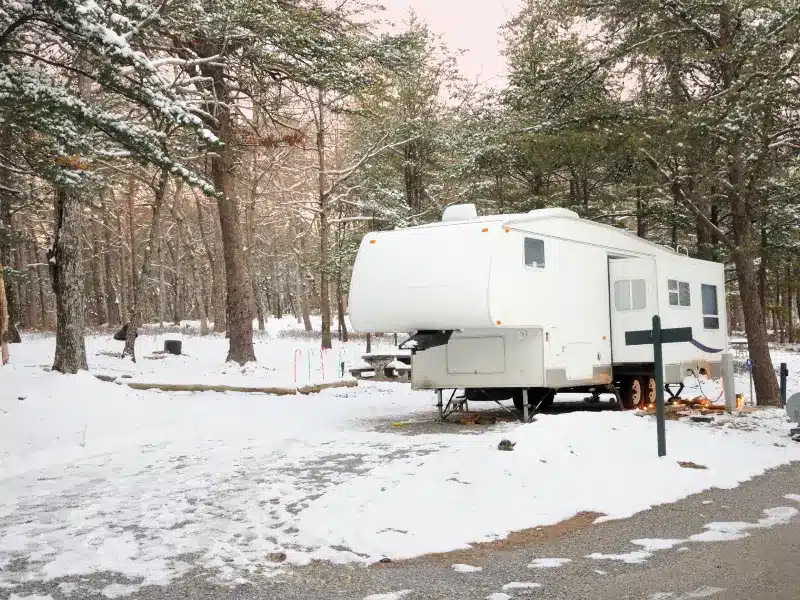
pixel 765 565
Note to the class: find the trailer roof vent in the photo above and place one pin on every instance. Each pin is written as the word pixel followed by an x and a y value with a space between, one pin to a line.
pixel 459 212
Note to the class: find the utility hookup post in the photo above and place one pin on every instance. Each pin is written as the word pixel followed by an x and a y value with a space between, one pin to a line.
pixel 728 382
pixel 784 375
pixel 657 336
pixel 524 405
pixel 658 364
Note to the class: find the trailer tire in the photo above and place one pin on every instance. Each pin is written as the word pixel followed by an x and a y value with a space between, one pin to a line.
pixel 648 391
pixel 631 392
pixel 541 397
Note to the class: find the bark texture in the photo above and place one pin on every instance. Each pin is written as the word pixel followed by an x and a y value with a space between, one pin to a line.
pixel 3 320
pixel 66 272
pixel 237 279
pixel 324 270
pixel 239 313
pixel 112 307
pixel 6 257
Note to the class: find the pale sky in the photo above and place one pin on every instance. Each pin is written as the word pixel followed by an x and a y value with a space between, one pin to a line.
pixel 470 25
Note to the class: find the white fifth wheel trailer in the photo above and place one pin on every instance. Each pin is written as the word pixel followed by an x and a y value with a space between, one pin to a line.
pixel 539 302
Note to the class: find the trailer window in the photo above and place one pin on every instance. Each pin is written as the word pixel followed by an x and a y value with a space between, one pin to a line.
pixel 534 253
pixel 630 294
pixel 710 306
pixel 679 293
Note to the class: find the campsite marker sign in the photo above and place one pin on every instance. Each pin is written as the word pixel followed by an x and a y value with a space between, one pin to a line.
pixel 657 337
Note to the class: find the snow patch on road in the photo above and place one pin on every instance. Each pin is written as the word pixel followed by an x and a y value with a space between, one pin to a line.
pixel 498 596
pixel 726 531
pixel 118 590
pixel 703 592
pixel 521 585
pixel 653 545
pixel 459 568
pixel 632 558
pixel 389 595
pixel 549 563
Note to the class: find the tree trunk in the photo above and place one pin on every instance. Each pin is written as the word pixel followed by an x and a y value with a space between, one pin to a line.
pixel 797 302
pixel 762 276
pixel 22 282
pixel 237 280
pixel 732 314
pixel 194 271
pixel 641 223
pixel 3 320
pixel 217 273
pixel 259 302
pixel 714 236
pixel 177 280
pixel 100 301
pixel 132 238
pixel 777 312
pixel 112 306
pixel 123 295
pixel 12 300
pixel 140 286
pixel 739 313
pixel 343 336
pixel 302 300
pixel 162 283
pixel 787 308
pixel 324 299
pixel 702 233
pixel 48 314
pixel 66 272
pixel 674 224
pixel 198 289
pixel 766 384
pixel 34 314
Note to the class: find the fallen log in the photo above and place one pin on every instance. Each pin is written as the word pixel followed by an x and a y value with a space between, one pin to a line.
pixel 274 390
pixel 313 389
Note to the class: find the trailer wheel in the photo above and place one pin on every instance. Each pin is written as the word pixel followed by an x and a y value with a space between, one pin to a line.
pixel 631 392
pixel 649 388
pixel 541 397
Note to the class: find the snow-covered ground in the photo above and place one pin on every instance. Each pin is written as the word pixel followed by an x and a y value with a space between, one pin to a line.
pixel 101 477
pixel 285 356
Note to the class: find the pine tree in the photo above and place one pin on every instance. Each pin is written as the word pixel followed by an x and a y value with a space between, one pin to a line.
pixel 82 94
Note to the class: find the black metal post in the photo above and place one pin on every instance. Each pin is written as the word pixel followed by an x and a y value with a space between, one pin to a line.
pixel 784 375
pixel 658 361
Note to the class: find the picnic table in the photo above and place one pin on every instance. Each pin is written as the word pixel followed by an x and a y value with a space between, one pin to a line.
pixel 385 366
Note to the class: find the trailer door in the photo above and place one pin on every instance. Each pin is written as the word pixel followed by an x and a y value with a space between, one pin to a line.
pixel 633 294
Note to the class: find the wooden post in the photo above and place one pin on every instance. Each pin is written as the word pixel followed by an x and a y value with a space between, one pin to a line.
pixel 3 321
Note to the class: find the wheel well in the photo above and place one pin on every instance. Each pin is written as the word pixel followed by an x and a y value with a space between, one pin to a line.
pixel 633 370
